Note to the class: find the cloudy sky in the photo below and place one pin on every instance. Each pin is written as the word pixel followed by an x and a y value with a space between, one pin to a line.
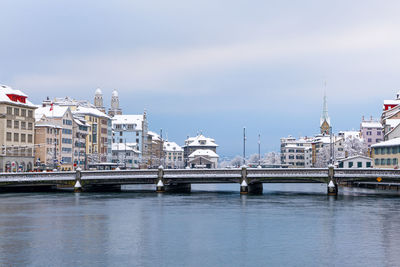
pixel 212 65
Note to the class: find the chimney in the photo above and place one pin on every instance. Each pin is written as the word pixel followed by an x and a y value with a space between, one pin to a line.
pixel 346 154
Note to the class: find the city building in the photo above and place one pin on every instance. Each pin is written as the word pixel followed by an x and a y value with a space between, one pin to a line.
pixel 126 155
pixel 156 150
pixel 16 130
pixel 203 158
pixel 59 148
pixel 297 153
pixel 98 140
pixel 371 131
pixel 199 142
pixel 358 161
pixel 386 154
pixel 173 155
pixel 133 129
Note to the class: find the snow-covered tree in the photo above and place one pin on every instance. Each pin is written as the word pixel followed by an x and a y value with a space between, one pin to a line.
pixel 355 146
pixel 271 158
pixel 254 159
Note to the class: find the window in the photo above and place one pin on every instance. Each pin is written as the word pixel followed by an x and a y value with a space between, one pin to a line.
pixel 8 136
pixel 23 138
pixel 395 162
pixel 29 138
pixel 388 161
pixel 369 140
pixel 359 164
pixel 394 150
pixel 383 161
pixel 16 111
pixel 30 126
pixel 9 110
pixel 350 164
pixel 16 137
pixel 379 133
pixel 23 125
pixel 16 124
pixel 9 123
pixel 30 114
pixel 383 151
pixel 23 112
pixel 369 164
pixel 341 164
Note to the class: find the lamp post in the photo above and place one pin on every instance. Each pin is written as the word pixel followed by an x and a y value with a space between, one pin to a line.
pixel 244 145
pixel 124 130
pixel 259 150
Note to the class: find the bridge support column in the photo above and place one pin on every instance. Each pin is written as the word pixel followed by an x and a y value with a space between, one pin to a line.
pixel 78 185
pixel 332 185
pixel 252 188
pixel 160 188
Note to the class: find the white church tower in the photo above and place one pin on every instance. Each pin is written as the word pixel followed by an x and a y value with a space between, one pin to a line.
pixel 98 100
pixel 114 109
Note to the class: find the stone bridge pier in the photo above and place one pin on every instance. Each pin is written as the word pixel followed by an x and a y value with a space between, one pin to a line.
pixel 332 183
pixel 162 187
pixel 246 187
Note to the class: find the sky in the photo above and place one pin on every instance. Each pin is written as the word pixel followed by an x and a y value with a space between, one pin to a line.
pixel 210 66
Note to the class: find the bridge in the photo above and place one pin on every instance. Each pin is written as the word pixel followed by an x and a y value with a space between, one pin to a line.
pixel 251 180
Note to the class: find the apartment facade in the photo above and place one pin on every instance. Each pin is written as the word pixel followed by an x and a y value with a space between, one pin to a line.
pixel 16 130
pixel 386 154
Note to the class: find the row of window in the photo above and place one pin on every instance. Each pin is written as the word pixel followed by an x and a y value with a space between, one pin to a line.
pixel 66 131
pixel 67 122
pixel 17 137
pixel 376 140
pixel 51 141
pixel 17 124
pixel 386 162
pixel 370 133
pixel 351 164
pixel 17 112
pixel 66 149
pixel 66 141
pixel 387 150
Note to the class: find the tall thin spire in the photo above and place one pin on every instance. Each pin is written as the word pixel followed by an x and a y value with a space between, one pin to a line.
pixel 325 122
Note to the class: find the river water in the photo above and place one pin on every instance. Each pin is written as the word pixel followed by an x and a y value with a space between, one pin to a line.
pixel 289 225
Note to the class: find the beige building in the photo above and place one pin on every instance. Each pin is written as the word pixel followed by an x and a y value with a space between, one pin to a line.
pixel 173 155
pixel 47 145
pixel 386 154
pixel 17 130
pixel 60 117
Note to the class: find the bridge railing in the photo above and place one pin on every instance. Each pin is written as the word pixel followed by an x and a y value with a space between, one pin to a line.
pixel 37 176
pixel 119 174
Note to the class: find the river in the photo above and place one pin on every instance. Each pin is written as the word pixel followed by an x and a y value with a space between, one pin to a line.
pixel 289 225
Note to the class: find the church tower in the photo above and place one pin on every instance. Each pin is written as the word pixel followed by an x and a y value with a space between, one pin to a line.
pixel 114 109
pixel 325 122
pixel 98 100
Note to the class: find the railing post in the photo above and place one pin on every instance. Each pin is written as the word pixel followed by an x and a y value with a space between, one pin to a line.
pixel 244 186
pixel 160 188
pixel 332 184
pixel 78 185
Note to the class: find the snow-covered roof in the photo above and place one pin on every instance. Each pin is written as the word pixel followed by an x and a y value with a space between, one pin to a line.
pixel 200 140
pixel 392 142
pixel 348 134
pixel 154 136
pixel 123 147
pixel 49 112
pixel 7 91
pixel 90 111
pixel 393 122
pixel 46 124
pixel 172 147
pixel 371 124
pixel 355 157
pixel 115 93
pixel 204 153
pixel 129 119
pixel 98 92
pixel 391 102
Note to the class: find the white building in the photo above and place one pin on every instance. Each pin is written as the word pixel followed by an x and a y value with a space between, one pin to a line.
pixel 132 129
pixel 296 153
pixel 203 158
pixel 173 155
pixel 199 142
pixel 126 155
pixel 358 161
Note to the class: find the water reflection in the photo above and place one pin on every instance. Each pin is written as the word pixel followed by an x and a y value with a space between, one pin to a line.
pixel 288 225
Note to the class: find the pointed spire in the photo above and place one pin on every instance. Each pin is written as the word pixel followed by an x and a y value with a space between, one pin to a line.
pixel 325 116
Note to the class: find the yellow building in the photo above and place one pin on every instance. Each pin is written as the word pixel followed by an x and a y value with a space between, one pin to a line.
pixel 386 154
